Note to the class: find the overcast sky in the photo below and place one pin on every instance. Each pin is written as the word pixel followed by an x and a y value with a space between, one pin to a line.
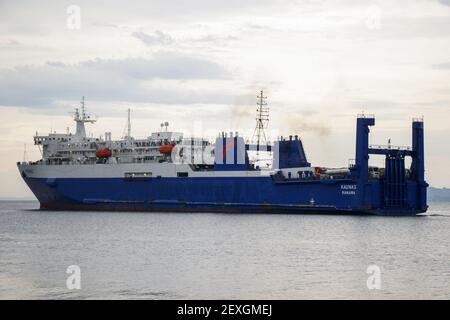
pixel 199 64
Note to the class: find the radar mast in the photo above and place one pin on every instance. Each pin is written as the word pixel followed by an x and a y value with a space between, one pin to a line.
pixel 262 120
pixel 81 119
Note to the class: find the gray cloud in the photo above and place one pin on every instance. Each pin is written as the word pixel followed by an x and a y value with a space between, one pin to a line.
pixel 298 124
pixel 110 80
pixel 105 25
pixel 442 66
pixel 372 105
pixel 44 16
pixel 210 38
pixel 9 42
pixel 158 37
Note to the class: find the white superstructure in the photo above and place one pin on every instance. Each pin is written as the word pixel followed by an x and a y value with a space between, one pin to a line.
pixel 68 148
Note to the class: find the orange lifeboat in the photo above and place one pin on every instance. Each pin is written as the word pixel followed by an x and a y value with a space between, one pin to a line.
pixel 317 171
pixel 166 148
pixel 103 153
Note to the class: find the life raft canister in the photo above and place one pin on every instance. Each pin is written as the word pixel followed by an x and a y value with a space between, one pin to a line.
pixel 317 171
pixel 166 148
pixel 103 153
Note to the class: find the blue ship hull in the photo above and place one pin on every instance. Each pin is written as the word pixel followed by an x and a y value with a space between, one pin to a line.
pixel 233 185
pixel 224 194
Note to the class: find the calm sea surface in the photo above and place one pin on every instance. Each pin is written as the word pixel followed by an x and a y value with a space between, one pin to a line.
pixel 218 256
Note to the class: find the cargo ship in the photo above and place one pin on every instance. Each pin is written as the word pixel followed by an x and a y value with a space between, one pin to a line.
pixel 167 172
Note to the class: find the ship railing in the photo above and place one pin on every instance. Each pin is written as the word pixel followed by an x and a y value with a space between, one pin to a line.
pixel 31 163
pixel 366 115
pixel 390 147
pixel 315 177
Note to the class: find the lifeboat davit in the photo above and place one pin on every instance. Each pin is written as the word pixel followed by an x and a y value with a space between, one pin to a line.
pixel 103 153
pixel 166 148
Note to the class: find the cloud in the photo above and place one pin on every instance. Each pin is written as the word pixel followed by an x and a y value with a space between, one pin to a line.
pixel 442 66
pixel 158 38
pixel 298 124
pixel 106 25
pixel 163 78
pixel 210 38
pixel 8 42
pixel 46 16
pixel 372 105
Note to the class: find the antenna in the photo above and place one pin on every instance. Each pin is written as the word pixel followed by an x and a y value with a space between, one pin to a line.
pixel 129 123
pixel 127 129
pixel 83 116
pixel 262 119
pixel 24 152
pixel 83 110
